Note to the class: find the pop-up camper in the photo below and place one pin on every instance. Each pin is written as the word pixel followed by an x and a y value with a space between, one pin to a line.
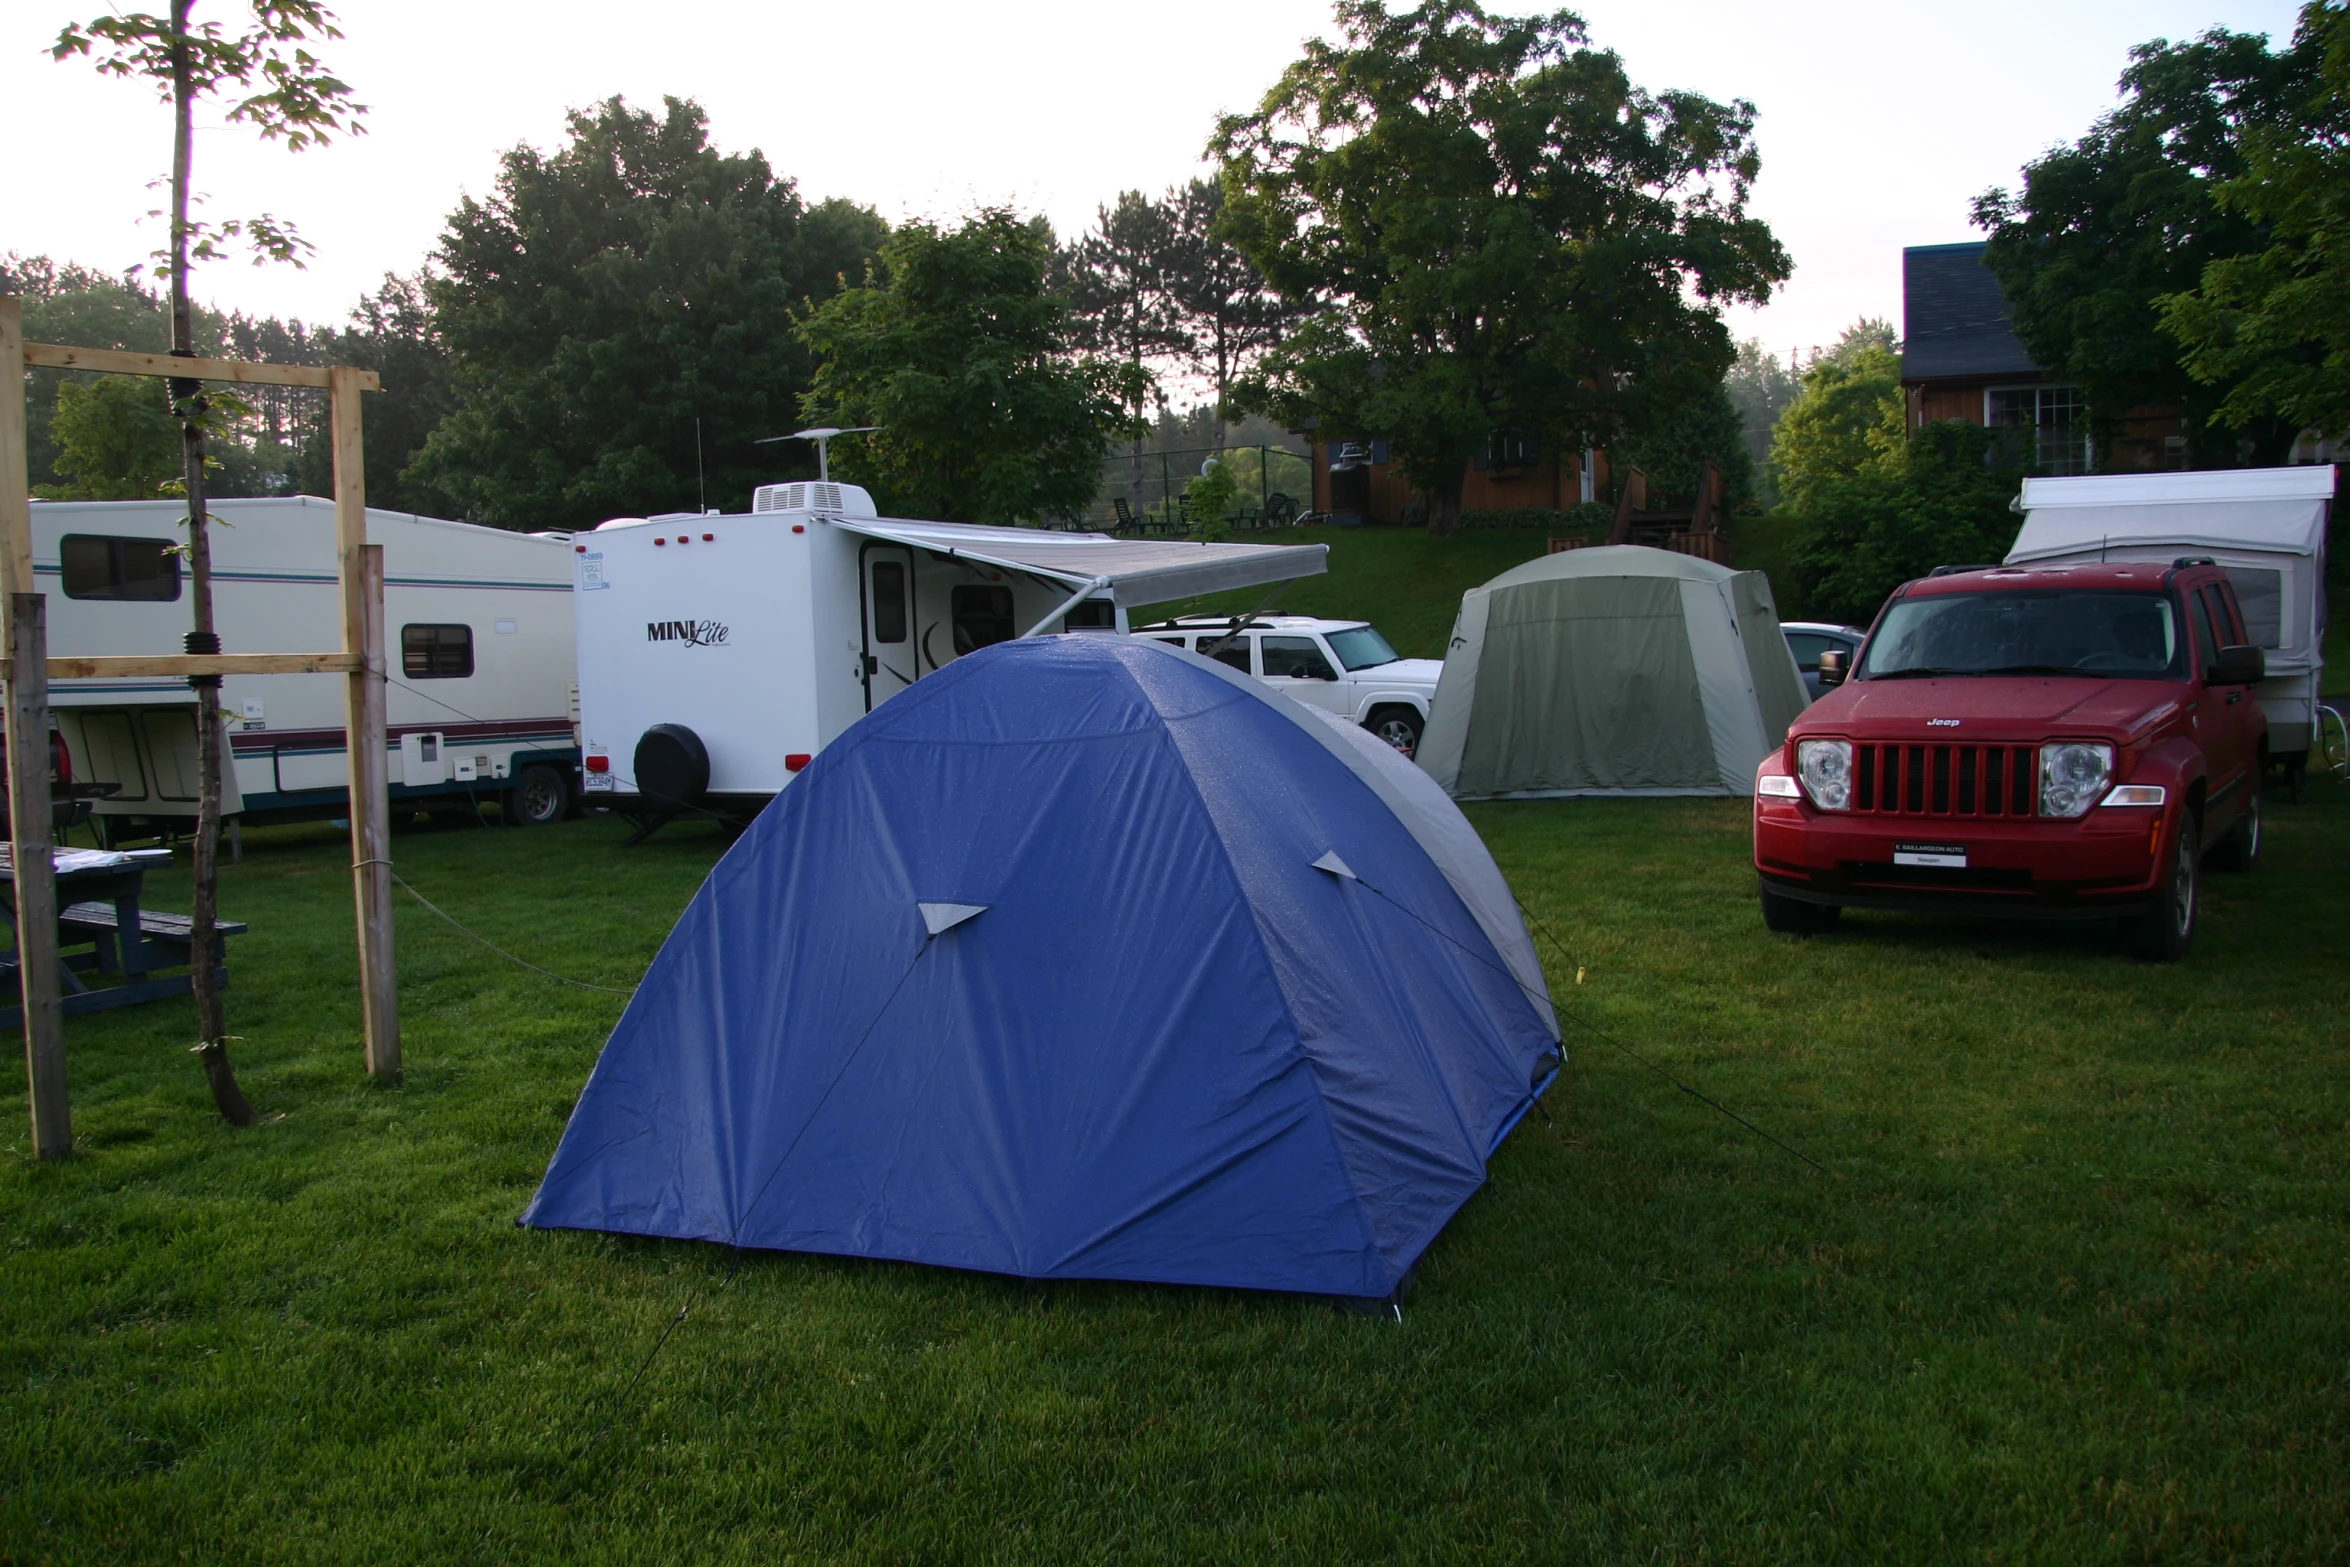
pixel 719 654
pixel 2267 526
pixel 478 634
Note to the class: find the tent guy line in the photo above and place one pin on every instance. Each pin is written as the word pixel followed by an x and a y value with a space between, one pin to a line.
pixel 742 1253
pixel 609 990
pixel 1593 1029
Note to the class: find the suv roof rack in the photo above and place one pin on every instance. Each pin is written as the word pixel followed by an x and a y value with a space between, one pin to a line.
pixel 1952 571
pixel 2185 561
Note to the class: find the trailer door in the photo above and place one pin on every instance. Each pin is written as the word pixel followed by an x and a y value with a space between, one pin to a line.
pixel 886 583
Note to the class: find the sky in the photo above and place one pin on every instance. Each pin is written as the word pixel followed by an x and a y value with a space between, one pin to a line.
pixel 1878 123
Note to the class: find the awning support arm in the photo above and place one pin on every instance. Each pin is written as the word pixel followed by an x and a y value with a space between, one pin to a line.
pixel 1085 590
pixel 1227 639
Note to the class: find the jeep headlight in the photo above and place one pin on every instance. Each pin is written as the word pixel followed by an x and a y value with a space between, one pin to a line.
pixel 1826 766
pixel 2073 776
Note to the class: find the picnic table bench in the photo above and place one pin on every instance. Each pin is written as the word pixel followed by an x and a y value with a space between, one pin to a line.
pixel 105 889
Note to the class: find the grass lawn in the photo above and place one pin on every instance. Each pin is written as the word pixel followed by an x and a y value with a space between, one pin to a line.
pixel 1404 582
pixel 2071 1289
pixel 1410 585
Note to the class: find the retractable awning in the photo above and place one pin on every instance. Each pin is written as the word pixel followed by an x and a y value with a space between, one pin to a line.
pixel 1129 571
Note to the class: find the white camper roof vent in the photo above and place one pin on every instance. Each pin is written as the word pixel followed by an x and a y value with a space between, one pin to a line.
pixel 838 500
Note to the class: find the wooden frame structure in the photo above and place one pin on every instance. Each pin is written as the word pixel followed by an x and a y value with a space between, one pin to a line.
pixel 359 567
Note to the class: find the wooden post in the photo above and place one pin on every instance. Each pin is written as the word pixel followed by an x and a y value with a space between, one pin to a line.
pixel 360 566
pixel 16 488
pixel 36 877
pixel 28 764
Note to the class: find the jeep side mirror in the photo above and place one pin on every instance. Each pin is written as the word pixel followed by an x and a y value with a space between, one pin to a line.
pixel 2238 666
pixel 1832 664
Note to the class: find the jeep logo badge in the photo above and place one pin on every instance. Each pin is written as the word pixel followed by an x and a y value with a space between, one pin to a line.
pixel 1941 723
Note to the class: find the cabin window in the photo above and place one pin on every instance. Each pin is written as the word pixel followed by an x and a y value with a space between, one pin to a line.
pixel 1092 615
pixel 436 652
pixel 889 601
pixel 2051 425
pixel 97 566
pixel 982 616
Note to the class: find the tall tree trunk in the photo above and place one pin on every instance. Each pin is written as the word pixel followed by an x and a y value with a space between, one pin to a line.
pixel 1444 505
pixel 189 406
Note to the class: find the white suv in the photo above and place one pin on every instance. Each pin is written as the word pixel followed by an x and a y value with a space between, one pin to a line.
pixel 1345 666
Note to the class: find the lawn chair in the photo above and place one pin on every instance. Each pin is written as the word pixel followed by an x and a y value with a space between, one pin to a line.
pixel 1125 516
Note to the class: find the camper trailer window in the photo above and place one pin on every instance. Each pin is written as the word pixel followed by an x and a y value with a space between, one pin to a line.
pixel 983 617
pixel 436 652
pixel 889 601
pixel 2260 594
pixel 97 566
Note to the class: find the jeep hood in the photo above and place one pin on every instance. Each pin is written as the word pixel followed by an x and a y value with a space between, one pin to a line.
pixel 1990 707
pixel 1403 672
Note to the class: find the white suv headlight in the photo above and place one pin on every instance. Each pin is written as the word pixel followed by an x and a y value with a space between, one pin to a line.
pixel 1826 766
pixel 2073 776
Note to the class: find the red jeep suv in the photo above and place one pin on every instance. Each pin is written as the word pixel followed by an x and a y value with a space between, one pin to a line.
pixel 2060 742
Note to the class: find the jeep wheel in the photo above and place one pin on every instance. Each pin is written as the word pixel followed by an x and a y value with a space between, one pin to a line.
pixel 1794 917
pixel 1398 726
pixel 538 798
pixel 2240 849
pixel 2163 933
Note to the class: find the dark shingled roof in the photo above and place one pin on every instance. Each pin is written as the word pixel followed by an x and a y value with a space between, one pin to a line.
pixel 1953 316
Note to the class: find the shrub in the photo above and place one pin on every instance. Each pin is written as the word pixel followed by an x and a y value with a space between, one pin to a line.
pixel 1864 534
pixel 1596 516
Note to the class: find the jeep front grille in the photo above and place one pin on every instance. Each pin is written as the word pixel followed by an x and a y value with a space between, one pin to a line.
pixel 1945 780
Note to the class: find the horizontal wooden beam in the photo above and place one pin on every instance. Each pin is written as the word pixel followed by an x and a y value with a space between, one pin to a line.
pixel 122 361
pixel 181 665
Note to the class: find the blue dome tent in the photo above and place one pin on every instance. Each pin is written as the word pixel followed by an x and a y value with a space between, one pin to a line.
pixel 1085 957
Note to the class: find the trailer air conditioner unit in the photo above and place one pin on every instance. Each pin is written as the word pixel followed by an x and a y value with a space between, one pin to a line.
pixel 838 500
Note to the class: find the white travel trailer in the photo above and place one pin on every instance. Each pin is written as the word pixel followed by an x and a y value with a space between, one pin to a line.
pixel 2267 526
pixel 478 634
pixel 718 654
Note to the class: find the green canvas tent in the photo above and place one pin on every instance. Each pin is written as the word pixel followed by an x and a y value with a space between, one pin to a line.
pixel 1617 670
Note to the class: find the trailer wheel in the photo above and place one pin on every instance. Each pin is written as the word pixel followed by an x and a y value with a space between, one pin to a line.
pixel 538 798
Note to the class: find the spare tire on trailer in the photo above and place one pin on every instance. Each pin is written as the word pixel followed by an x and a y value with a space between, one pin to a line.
pixel 672 768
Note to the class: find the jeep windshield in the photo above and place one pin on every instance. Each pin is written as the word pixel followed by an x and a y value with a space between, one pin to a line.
pixel 1361 647
pixel 2100 634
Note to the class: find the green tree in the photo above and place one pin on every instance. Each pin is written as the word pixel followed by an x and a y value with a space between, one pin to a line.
pixel 1945 502
pixel 958 349
pixel 276 87
pixel 1227 315
pixel 115 440
pixel 1115 277
pixel 2269 329
pixel 1849 418
pixel 607 297
pixel 1492 228
pixel 1673 427
pixel 2103 231
pixel 392 332
pixel 1761 388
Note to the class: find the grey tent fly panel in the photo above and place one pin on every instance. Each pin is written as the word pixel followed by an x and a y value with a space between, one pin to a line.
pixel 1596 689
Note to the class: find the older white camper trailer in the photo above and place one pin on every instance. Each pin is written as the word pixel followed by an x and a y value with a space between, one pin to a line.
pixel 718 654
pixel 2267 526
pixel 478 634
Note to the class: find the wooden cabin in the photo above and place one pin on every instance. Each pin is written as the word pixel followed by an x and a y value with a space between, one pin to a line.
pixel 1961 360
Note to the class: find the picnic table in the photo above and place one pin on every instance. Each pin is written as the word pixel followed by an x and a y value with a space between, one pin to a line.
pixel 98 894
